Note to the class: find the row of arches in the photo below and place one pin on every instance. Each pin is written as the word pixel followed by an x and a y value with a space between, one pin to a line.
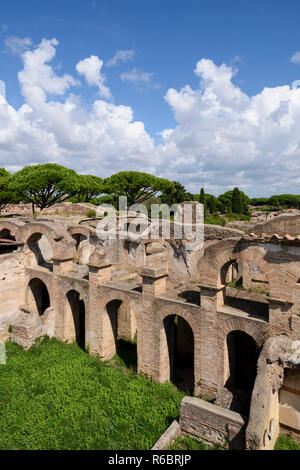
pixel 43 243
pixel 38 301
pixel 241 351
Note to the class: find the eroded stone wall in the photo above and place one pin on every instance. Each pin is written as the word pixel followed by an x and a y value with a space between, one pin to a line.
pixel 11 290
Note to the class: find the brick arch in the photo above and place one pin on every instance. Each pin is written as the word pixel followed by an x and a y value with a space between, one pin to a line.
pixel 79 230
pixel 62 247
pixel 129 318
pixel 33 301
pixel 64 319
pixel 173 309
pixel 224 252
pixel 12 227
pixel 127 301
pixel 76 286
pixel 35 228
pixel 46 278
pixel 162 359
pixel 221 253
pixel 235 324
pixel 73 328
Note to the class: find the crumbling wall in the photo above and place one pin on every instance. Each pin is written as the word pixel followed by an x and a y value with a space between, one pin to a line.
pixel 289 408
pixel 281 225
pixel 265 413
pixel 11 290
pixel 211 423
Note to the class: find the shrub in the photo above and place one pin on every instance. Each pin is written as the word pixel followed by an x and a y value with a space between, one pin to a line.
pixel 90 214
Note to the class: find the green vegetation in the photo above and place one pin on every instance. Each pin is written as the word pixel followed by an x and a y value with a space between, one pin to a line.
pixel 47 184
pixel 44 185
pixel 218 219
pixel 285 442
pixel 136 186
pixel 56 396
pixel 235 202
pixel 189 443
pixel 175 194
pixel 278 202
pixel 91 214
pixel 90 186
pixel 7 195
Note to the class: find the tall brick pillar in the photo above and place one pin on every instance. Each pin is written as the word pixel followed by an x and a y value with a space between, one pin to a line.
pixel 154 281
pixel 154 284
pixel 211 300
pixel 99 273
pixel 62 264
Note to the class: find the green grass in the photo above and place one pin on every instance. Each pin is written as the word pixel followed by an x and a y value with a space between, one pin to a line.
pixel 189 443
pixel 56 396
pixel 218 219
pixel 285 442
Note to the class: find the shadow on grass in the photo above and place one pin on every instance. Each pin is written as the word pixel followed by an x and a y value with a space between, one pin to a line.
pixel 127 352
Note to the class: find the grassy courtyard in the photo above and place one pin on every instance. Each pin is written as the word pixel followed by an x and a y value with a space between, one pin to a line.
pixel 55 396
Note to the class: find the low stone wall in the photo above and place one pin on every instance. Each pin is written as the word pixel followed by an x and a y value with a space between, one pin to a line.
pixel 168 437
pixel 217 232
pixel 286 223
pixel 211 423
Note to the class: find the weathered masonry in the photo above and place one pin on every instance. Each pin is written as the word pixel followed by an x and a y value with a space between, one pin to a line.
pixel 222 321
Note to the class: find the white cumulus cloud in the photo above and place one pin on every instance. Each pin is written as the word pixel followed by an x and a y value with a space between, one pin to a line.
pixel 229 138
pixel 37 78
pixel 53 125
pixel 91 69
pixel 223 137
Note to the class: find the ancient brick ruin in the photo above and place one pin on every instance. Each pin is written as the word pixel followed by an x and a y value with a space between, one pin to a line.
pixel 203 319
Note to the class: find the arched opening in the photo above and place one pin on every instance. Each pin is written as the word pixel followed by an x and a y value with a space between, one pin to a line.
pixel 245 290
pixel 38 299
pixel 180 352
pixel 75 319
pixel 241 358
pixel 232 273
pixel 122 332
pixel 41 249
pixel 8 242
pixel 82 247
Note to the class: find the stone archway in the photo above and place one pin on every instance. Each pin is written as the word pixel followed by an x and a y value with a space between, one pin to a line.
pixel 241 368
pixel 41 253
pixel 121 331
pixel 8 243
pixel 239 343
pixel 178 335
pixel 74 319
pixel 179 338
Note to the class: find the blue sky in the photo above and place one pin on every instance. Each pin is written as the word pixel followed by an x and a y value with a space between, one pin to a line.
pixel 164 41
